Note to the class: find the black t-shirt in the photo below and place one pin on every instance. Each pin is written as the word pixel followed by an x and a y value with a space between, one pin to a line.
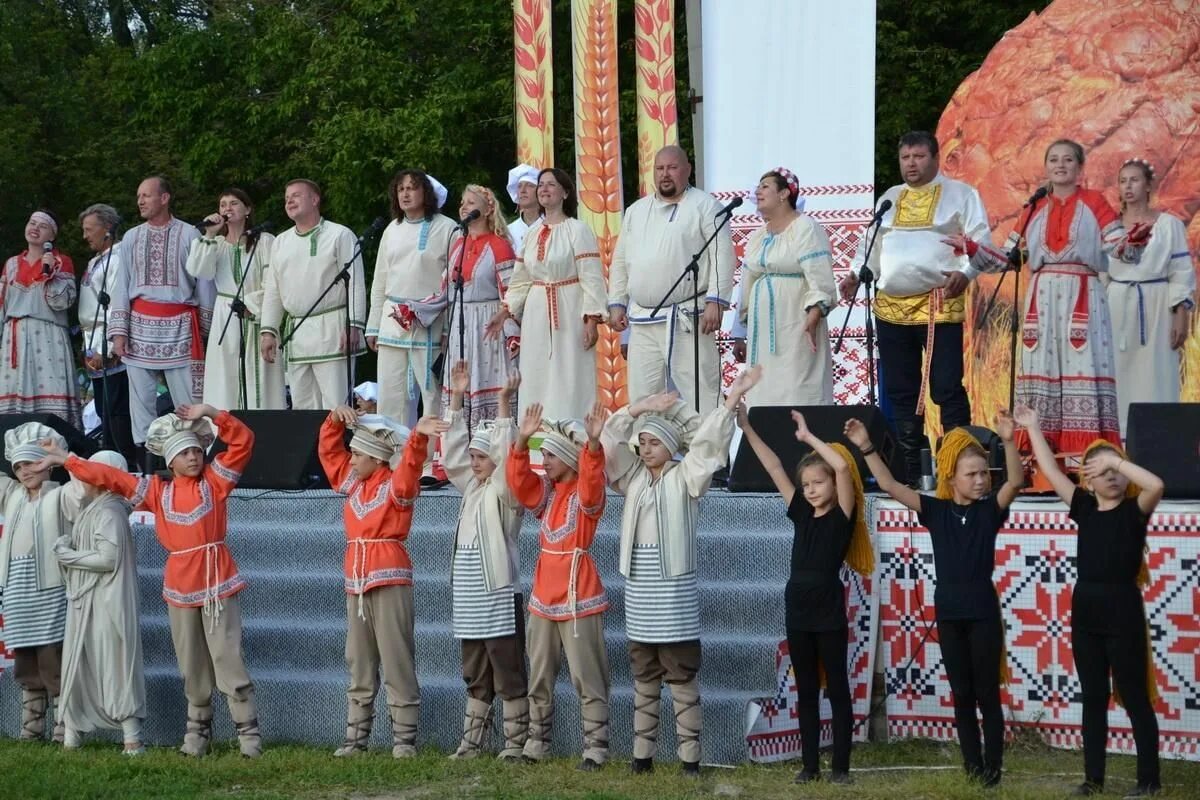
pixel 964 554
pixel 1109 551
pixel 815 595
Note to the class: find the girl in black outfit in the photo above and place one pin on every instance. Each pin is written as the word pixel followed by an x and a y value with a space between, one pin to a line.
pixel 830 529
pixel 963 521
pixel 1108 621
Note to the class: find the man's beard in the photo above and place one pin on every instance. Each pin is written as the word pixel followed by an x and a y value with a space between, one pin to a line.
pixel 672 192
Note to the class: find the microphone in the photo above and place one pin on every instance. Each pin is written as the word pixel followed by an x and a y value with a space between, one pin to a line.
pixel 1036 196
pixel 261 227
pixel 47 258
pixel 730 206
pixel 468 219
pixel 375 228
pixel 884 207
pixel 205 224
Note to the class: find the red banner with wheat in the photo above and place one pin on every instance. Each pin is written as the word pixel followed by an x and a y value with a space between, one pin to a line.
pixel 598 160
pixel 654 42
pixel 533 82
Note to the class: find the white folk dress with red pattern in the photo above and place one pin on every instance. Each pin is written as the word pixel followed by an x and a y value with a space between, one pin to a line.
pixel 1068 366
pixel 558 280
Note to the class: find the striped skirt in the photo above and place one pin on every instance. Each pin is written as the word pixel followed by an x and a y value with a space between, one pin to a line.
pixel 660 610
pixel 32 617
pixel 477 613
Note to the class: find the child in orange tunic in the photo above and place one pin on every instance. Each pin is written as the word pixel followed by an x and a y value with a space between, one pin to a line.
pixel 201 580
pixel 378 572
pixel 567 602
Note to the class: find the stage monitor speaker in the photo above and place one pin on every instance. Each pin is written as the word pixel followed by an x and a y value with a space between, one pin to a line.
pixel 1165 439
pixel 285 450
pixel 774 425
pixel 77 440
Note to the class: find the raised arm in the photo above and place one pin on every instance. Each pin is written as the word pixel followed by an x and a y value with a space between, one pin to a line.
pixel 331 448
pixel 526 485
pixel 456 458
pixel 856 432
pixel 1027 418
pixel 1014 473
pixel 1151 485
pixel 142 492
pixel 60 286
pixel 456 454
pixel 205 256
pixel 591 464
pixel 841 470
pixel 227 467
pixel 766 456
pixel 406 478
pixel 502 438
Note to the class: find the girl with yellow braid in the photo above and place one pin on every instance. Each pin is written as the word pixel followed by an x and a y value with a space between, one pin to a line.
pixel 825 503
pixel 1112 506
pixel 963 521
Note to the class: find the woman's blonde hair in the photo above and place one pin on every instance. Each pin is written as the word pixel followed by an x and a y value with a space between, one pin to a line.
pixel 491 213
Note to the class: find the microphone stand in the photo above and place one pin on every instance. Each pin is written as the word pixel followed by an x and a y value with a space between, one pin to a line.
pixel 1016 263
pixel 693 269
pixel 342 277
pixel 865 279
pixel 105 302
pixel 238 307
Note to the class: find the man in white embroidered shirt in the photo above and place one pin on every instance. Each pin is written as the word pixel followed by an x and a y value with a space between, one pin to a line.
pixel 659 235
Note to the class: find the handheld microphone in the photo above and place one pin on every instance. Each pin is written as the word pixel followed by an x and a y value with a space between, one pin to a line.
pixel 730 206
pixel 47 258
pixel 1036 196
pixel 468 219
pixel 205 224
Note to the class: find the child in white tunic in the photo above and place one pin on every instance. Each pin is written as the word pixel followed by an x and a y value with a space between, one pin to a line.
pixel 487 598
pixel 658 552
pixel 103 685
pixel 35 603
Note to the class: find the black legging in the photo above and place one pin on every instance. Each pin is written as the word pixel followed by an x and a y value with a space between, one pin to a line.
pixel 1125 656
pixel 971 651
pixel 829 648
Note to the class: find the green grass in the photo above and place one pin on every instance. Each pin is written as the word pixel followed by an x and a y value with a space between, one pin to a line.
pixel 1033 772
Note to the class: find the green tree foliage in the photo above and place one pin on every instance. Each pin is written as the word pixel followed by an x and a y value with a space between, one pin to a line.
pixel 923 51
pixel 96 94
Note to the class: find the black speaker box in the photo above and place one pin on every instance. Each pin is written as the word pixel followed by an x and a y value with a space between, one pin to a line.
pixel 77 442
pixel 285 450
pixel 1165 439
pixel 774 425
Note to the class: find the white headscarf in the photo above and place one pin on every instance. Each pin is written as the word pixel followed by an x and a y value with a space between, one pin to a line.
pixel 439 191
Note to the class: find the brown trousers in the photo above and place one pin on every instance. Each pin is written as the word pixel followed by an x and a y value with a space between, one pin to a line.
pixel 677 664
pixel 39 668
pixel 382 638
pixel 582 641
pixel 496 666
pixel 209 652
